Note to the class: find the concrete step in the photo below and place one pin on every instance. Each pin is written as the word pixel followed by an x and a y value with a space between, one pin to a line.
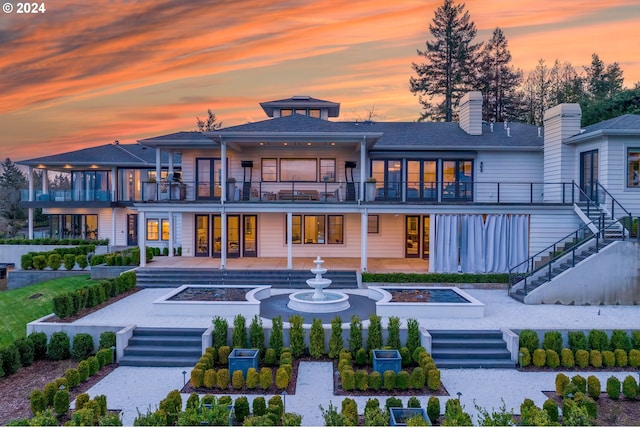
pixel 474 364
pixel 465 334
pixel 159 361
pixel 470 349
pixel 472 353
pixel 163 347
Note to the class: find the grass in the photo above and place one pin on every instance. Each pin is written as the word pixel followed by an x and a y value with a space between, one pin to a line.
pixel 18 310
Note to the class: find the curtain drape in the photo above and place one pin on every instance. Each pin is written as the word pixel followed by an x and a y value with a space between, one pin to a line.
pixel 472 251
pixel 518 241
pixel 446 256
pixel 496 241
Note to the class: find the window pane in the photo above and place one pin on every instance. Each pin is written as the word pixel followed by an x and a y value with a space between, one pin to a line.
pixel 296 229
pixel 301 111
pixel 286 112
pixel 298 170
pixel 314 229
pixel 373 224
pixel 314 113
pixel 152 229
pixel 633 168
pixel 336 229
pixel 328 170
pixel 165 229
pixel 269 170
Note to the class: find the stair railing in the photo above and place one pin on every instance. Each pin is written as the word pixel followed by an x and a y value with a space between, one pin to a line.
pixel 627 218
pixel 584 197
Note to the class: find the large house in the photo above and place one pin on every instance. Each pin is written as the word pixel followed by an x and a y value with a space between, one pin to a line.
pixel 468 196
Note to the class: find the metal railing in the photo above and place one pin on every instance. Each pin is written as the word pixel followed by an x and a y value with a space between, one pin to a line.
pixel 77 195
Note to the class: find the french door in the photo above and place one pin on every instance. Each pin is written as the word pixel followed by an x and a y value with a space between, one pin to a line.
pixel 589 174
pixel 417 236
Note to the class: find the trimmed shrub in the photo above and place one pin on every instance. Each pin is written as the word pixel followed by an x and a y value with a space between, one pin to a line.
pixel 433 379
pixel 58 347
pixel 296 335
pixel 413 335
pixel 433 409
pixel 61 402
pixel 9 359
pixel 405 355
pixel 210 378
pixel 418 378
pixel 39 340
pixel 37 402
pixel 620 340
pixel 26 351
pixel 256 334
pixel 375 380
pixel 239 335
pixel 608 359
pixel 316 339
pixel 553 360
pixel 361 357
pixel 593 387
pixel 348 378
pixel 393 333
pixel 266 378
pixel 566 358
pixel 350 411
pixel 69 261
pixel 223 378
pixel 223 354
pixel 613 387
pixel 630 387
pixel 270 357
pixel 393 402
pixel 237 379
pixel 621 358
pixel 539 358
pixel 530 340
pixel 578 341
pixel 82 346
pixel 83 370
pixel 39 262
pixel 580 382
pixel 241 408
pixel 63 305
pixel 81 400
pixel 355 334
pixel 552 341
pixel 197 378
pixel 416 355
pixel 598 340
pixel 259 406
pixel 73 378
pixel 220 331
pixel 561 383
pixel 275 339
pixel 282 378
pixel 362 380
pixel 551 408
pixel 635 339
pixel 49 391
pixel 336 343
pixel 634 358
pixel 374 338
pixel 54 261
pixel 82 262
pixel 402 380
pixel 107 340
pixel 389 380
pixel 525 357
pixel 582 358
pixel 26 262
pixel 595 358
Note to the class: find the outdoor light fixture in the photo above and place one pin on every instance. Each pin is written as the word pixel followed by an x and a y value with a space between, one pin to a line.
pixel 113 354
pixel 184 378
pixel 284 401
pixel 520 356
pixel 459 394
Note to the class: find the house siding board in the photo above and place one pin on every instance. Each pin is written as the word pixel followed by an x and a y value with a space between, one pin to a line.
pixel 514 171
pixel 547 228
pixel 389 242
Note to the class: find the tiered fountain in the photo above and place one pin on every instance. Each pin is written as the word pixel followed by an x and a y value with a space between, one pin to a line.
pixel 318 300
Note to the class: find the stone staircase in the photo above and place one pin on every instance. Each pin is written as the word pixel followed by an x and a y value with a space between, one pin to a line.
pixel 163 347
pixel 288 279
pixel 470 349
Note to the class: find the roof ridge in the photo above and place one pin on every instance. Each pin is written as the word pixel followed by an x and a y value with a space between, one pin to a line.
pixel 129 152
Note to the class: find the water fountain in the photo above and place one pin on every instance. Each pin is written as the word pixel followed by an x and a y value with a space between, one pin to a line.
pixel 318 300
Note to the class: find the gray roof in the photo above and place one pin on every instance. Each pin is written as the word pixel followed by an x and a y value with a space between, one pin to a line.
pixel 627 124
pixel 301 102
pixel 188 136
pixel 108 155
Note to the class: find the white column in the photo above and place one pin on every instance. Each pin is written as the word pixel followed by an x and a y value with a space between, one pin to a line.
pixel 45 182
pixel 223 239
pixel 364 231
pixel 158 171
pixel 432 241
pixel 170 171
pixel 172 224
pixel 31 198
pixel 224 172
pixel 142 235
pixel 363 168
pixel 114 232
pixel 289 241
pixel 114 184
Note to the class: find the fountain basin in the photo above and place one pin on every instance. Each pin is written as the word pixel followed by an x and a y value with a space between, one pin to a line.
pixel 250 307
pixel 305 301
pixel 465 306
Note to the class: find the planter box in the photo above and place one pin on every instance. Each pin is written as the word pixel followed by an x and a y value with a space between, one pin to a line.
pixel 242 359
pixel 399 416
pixel 387 360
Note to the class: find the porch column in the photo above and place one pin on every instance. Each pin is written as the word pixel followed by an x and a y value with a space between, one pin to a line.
pixel 45 181
pixel 363 168
pixel 432 241
pixel 172 224
pixel 223 239
pixel 289 241
pixel 114 234
pixel 170 170
pixel 31 198
pixel 223 171
pixel 158 171
pixel 114 184
pixel 364 230
pixel 142 236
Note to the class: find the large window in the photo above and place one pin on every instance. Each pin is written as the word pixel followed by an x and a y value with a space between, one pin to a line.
pixel 165 229
pixel 152 229
pixel 328 170
pixel 298 170
pixel 91 185
pixel 457 177
pixel 422 179
pixel 74 226
pixel 633 167
pixel 269 170
pixel 336 229
pixel 317 229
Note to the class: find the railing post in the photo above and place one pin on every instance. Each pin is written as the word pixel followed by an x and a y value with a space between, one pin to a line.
pixel 531 193
pixel 563 193
pixel 498 192
pixel 573 192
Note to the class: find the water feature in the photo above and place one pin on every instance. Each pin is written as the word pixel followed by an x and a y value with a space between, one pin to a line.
pixel 318 300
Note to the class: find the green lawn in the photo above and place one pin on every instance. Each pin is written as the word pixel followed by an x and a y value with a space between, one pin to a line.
pixel 16 309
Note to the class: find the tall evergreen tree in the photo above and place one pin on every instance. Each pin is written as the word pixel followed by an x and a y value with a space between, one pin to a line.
pixel 565 85
pixel 12 180
pixel 603 81
pixel 498 80
pixel 450 61
pixel 536 93
pixel 210 124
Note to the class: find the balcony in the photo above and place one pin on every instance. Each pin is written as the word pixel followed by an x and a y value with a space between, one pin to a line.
pixel 74 197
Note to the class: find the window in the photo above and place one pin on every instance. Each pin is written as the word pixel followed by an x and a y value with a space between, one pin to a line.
pixel 296 229
pixel 152 229
pixel 286 112
pixel 298 170
pixel 633 167
pixel 314 113
pixel 373 224
pixel 301 111
pixel 328 170
pixel 269 170
pixel 336 229
pixel 314 229
pixel 165 229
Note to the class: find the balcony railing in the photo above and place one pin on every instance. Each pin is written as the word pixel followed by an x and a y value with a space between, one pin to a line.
pixel 67 196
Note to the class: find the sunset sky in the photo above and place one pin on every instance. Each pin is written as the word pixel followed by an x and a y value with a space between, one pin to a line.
pixel 86 73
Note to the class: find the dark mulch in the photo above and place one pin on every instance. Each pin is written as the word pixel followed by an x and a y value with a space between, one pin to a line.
pixel 611 412
pixel 576 369
pixel 16 388
pixel 87 311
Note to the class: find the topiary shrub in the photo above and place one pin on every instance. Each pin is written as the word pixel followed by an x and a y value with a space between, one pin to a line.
pixel 49 391
pixel 417 353
pixel 83 370
pixel 82 262
pixel 270 357
pixel 389 380
pixel 634 358
pixel 580 382
pixel 37 402
pixel 405 355
pixel 525 357
pixel 552 341
pixel 237 379
pixel 220 332
pixel 223 378
pixel 374 338
pixel 282 378
pixel 69 261
pixel 82 346
pixel 348 378
pixel 418 378
pixel 582 358
pixel 256 334
pixel 566 358
pixel 58 347
pixel 296 335
pixel 39 340
pixel 223 354
pixel 61 402
pixel 595 358
pixel 539 358
pixel 81 400
pixel 613 387
pixel 551 408
pixel 210 378
pixel 393 402
pixel 197 378
pixel 361 357
pixel 577 341
pixel 266 378
pixel 621 357
pixel 593 387
pixel 54 261
pixel 598 340
pixel 63 305
pixel 608 359
pixel 433 409
pixel 316 339
pixel 73 378
pixel 336 343
pixel 259 406
pixel 561 383
pixel 362 380
pixel 433 379
pixel 402 380
pixel 26 262
pixel 9 359
pixel 241 408
pixel 635 339
pixel 275 339
pixel 630 387
pixel 375 380
pixel 350 411
pixel 530 340
pixel 39 262
pixel 620 340
pixel 26 351
pixel 107 340
pixel 552 358
pixel 393 333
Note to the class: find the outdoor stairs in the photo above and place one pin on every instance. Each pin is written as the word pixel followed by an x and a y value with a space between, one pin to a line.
pixel 470 349
pixel 612 228
pixel 288 279
pixel 163 347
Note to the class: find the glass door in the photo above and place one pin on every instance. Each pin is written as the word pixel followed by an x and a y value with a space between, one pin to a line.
pixel 208 174
pixel 233 236
pixel 250 236
pixel 426 222
pixel 202 235
pixel 589 174
pixel 216 238
pixel 412 249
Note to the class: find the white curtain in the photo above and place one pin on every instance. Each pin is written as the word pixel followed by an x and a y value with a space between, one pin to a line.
pixel 496 237
pixel 472 248
pixel 518 241
pixel 446 253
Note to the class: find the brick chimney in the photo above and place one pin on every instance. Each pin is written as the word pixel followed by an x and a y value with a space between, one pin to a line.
pixel 470 113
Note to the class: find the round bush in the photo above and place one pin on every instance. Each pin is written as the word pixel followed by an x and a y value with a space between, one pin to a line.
pixel 551 408
pixel 595 358
pixel 82 261
pixel 237 379
pixel 107 340
pixel 418 378
pixel 39 262
pixel 433 379
pixel 402 380
pixel 266 378
pixel 433 409
pixel 634 358
pixel 37 402
pixel 69 261
pixel 613 387
pixel 630 387
pixel 578 341
pixel 82 346
pixel 552 341
pixel 282 378
pixel 608 359
pixel 566 358
pixel 348 378
pixel 223 378
pixel 620 340
pixel 210 378
pixel 61 402
pixel 253 378
pixel 375 380
pixel 582 358
pixel 362 380
pixel 94 365
pixel 580 382
pixel 553 360
pixel 621 357
pixel 39 340
pixel 73 378
pixel 9 359
pixel 83 370
pixel 530 340
pixel 54 261
pixel 270 357
pixel 49 391
pixel 58 348
pixel 525 357
pixel 561 383
pixel 593 387
pixel 539 358
pixel 598 340
pixel 197 378
pixel 26 351
pixel 389 380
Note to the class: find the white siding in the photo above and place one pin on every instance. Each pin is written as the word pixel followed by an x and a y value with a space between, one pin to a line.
pixel 390 241
pixel 514 171
pixel 547 228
